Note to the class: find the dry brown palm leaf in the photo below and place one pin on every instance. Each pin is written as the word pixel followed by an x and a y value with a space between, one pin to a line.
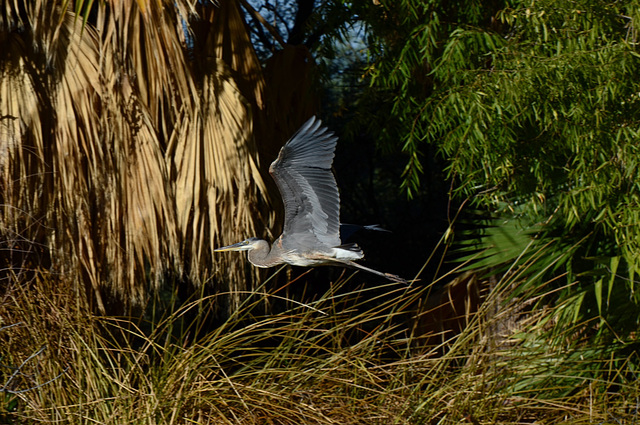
pixel 146 40
pixel 218 184
pixel 139 222
pixel 224 34
pixel 138 229
pixel 78 158
pixel 85 111
pixel 220 191
pixel 48 82
pixel 23 194
pixel 88 151
pixel 204 124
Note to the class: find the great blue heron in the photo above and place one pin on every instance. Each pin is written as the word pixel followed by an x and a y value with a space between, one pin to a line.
pixel 311 232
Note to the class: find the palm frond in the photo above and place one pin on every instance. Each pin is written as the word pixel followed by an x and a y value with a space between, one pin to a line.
pixel 217 181
pixel 224 35
pixel 116 154
pixel 485 242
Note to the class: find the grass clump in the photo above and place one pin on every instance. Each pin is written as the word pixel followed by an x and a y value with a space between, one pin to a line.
pixel 348 357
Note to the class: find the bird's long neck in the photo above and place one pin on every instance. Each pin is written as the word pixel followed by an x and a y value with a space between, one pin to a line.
pixel 265 256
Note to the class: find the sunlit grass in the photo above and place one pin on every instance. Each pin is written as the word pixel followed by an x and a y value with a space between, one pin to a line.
pixel 347 357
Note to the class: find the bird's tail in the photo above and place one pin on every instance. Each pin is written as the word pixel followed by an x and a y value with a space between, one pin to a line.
pixel 348 230
pixel 349 251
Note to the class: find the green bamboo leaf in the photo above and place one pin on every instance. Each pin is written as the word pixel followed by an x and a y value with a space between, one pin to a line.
pixel 613 268
pixel 598 294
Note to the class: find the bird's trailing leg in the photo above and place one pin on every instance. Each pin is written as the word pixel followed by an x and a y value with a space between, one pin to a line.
pixel 389 276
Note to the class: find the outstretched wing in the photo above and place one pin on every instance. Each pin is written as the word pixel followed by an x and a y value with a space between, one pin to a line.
pixel 303 174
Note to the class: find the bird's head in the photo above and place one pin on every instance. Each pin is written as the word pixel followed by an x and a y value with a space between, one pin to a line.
pixel 245 245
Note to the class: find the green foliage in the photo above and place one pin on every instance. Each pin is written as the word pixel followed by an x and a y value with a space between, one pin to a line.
pixel 409 44
pixel 534 104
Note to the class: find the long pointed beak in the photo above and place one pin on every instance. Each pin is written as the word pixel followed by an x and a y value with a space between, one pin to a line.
pixel 235 247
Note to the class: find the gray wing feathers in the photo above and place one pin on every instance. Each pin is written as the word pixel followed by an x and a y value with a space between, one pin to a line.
pixel 312 145
pixel 302 172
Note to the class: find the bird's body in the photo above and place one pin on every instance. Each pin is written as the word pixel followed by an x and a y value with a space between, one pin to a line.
pixel 311 231
pixel 263 255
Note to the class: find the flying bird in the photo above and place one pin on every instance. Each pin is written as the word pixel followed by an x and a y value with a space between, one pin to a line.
pixel 311 232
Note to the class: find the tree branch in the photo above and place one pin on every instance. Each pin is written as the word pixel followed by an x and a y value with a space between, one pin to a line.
pixel 254 13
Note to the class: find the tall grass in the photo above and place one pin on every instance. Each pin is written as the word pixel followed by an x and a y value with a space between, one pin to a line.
pixel 350 356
